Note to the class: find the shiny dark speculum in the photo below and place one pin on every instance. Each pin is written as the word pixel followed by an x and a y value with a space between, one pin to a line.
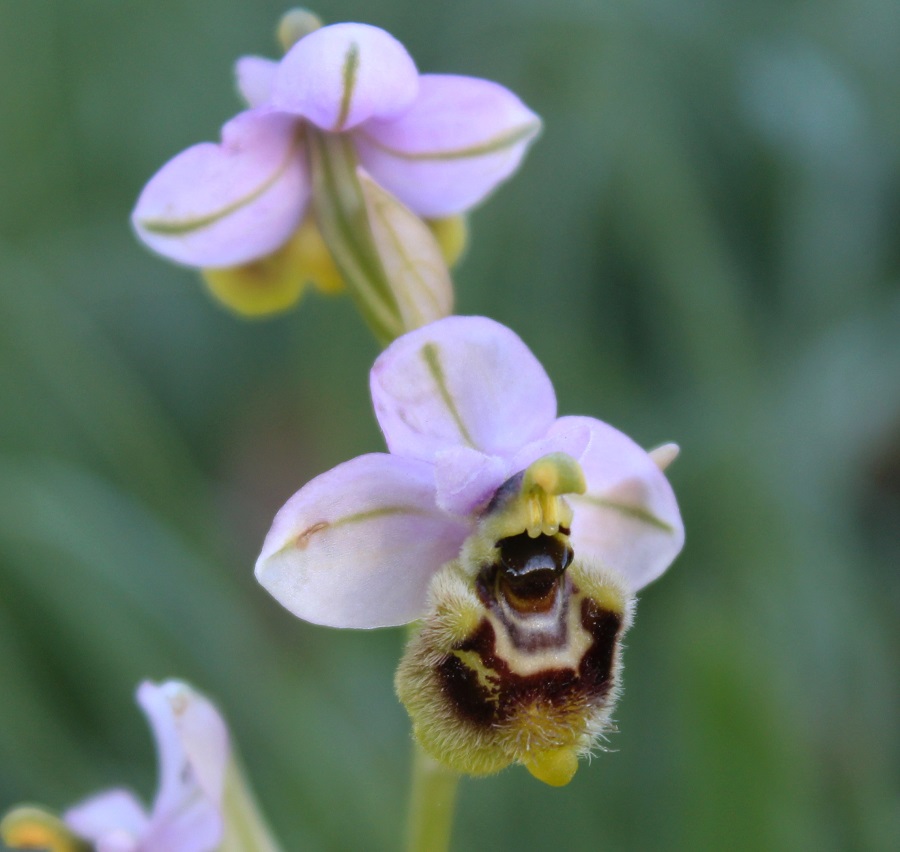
pixel 527 567
pixel 522 555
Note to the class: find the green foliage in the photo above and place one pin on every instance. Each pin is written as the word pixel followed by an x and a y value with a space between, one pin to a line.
pixel 700 248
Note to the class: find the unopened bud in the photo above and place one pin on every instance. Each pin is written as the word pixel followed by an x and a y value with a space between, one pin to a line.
pixel 294 25
pixel 664 455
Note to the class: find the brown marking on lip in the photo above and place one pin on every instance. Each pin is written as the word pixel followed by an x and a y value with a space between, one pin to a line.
pixel 597 663
pixel 470 697
pixel 303 539
pixel 557 689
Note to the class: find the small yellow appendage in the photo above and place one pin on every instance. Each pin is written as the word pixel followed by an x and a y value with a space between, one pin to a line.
pixel 29 827
pixel 275 283
pixel 452 235
pixel 556 767
pixel 543 482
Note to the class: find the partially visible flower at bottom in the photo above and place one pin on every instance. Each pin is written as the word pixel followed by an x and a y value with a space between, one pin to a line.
pixel 517 539
pixel 187 814
pixel 194 754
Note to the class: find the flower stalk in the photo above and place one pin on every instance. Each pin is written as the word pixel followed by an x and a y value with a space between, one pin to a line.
pixel 342 216
pixel 431 804
pixel 245 827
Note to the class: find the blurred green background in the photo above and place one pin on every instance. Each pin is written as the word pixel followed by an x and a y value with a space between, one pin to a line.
pixel 702 247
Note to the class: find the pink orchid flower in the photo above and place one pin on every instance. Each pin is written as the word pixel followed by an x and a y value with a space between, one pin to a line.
pixel 439 143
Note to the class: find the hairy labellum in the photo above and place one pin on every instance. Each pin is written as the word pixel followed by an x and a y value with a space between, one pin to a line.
pixel 517 659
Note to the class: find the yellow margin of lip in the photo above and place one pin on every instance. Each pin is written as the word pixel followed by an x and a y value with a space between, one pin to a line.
pixel 556 767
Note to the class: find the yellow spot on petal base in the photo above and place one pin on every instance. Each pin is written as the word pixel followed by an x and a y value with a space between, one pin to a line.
pixel 556 767
pixel 275 283
pixel 29 827
pixel 452 235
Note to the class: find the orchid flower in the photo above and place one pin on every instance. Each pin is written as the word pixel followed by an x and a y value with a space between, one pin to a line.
pixel 483 477
pixel 194 754
pixel 439 143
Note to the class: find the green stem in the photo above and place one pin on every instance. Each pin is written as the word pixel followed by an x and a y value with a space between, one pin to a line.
pixel 431 804
pixel 245 828
pixel 344 223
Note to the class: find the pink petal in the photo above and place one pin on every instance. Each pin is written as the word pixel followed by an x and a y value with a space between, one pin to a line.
pixel 114 814
pixel 193 747
pixel 569 435
pixel 461 382
pixel 628 520
pixel 357 546
pixel 224 205
pixel 119 841
pixel 197 828
pixel 341 75
pixel 466 479
pixel 460 138
pixel 254 76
